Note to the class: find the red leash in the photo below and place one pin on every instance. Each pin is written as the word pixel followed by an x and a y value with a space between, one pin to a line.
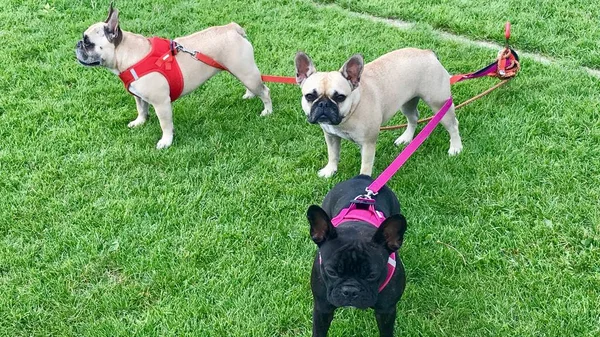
pixel 279 79
pixel 211 62
pixel 507 60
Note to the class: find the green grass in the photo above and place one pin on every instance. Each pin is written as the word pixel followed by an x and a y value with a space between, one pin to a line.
pixel 102 235
pixel 567 30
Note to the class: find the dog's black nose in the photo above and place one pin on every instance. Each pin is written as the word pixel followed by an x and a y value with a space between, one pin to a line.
pixel 79 43
pixel 322 104
pixel 350 292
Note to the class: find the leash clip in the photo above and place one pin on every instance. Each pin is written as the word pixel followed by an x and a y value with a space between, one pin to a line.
pixel 365 199
pixel 370 193
pixel 179 48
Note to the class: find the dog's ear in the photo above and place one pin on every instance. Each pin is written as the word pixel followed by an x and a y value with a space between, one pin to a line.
pixel 112 30
pixel 110 12
pixel 391 233
pixel 304 67
pixel 321 228
pixel 352 70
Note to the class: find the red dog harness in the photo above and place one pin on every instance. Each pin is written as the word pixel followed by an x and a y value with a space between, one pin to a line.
pixel 372 216
pixel 161 59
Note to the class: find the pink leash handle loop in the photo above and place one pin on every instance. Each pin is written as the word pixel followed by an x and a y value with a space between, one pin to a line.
pixel 408 151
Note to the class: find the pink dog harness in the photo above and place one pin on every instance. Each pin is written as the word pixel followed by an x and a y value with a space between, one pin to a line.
pixel 373 217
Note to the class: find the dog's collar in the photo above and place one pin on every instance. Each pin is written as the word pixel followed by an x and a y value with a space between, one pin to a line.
pixel 363 209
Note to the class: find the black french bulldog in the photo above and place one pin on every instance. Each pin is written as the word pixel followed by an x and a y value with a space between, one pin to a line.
pixel 351 263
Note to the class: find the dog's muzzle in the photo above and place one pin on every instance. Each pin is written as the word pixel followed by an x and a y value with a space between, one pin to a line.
pixel 83 56
pixel 350 295
pixel 324 111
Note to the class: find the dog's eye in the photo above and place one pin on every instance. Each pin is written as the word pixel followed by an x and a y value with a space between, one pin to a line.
pixel 372 276
pixel 339 98
pixel 331 272
pixel 310 97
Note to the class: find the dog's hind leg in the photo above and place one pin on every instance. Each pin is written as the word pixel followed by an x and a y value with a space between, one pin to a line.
pixel 255 87
pixel 451 124
pixel 248 94
pixel 247 72
pixel 409 109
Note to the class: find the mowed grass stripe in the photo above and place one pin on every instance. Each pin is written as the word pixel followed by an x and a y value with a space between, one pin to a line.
pixel 564 30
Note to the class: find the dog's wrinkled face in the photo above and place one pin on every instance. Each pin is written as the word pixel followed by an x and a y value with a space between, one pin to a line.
pixel 99 41
pixel 327 97
pixel 353 272
pixel 352 269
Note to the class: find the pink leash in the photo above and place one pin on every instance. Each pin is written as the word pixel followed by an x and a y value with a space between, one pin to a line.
pixel 370 214
pixel 408 151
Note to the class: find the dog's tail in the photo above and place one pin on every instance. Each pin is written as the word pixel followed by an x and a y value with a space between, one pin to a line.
pixel 239 30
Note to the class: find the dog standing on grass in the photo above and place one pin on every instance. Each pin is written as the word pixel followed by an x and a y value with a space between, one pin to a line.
pixel 353 104
pixel 357 263
pixel 106 44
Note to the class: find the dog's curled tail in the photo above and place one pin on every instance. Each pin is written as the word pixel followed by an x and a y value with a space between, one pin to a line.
pixel 239 30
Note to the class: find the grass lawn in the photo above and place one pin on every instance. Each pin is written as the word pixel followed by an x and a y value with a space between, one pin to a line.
pixel 102 235
pixel 567 30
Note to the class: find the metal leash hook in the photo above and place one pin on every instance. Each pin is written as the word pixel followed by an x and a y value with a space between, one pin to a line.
pixel 365 199
pixel 370 193
pixel 179 48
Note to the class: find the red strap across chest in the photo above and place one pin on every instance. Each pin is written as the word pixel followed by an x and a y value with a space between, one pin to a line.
pixel 161 59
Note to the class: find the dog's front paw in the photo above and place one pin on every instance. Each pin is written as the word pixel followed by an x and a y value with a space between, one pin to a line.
pixel 137 122
pixel 266 112
pixel 327 171
pixel 406 138
pixel 455 149
pixel 164 142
